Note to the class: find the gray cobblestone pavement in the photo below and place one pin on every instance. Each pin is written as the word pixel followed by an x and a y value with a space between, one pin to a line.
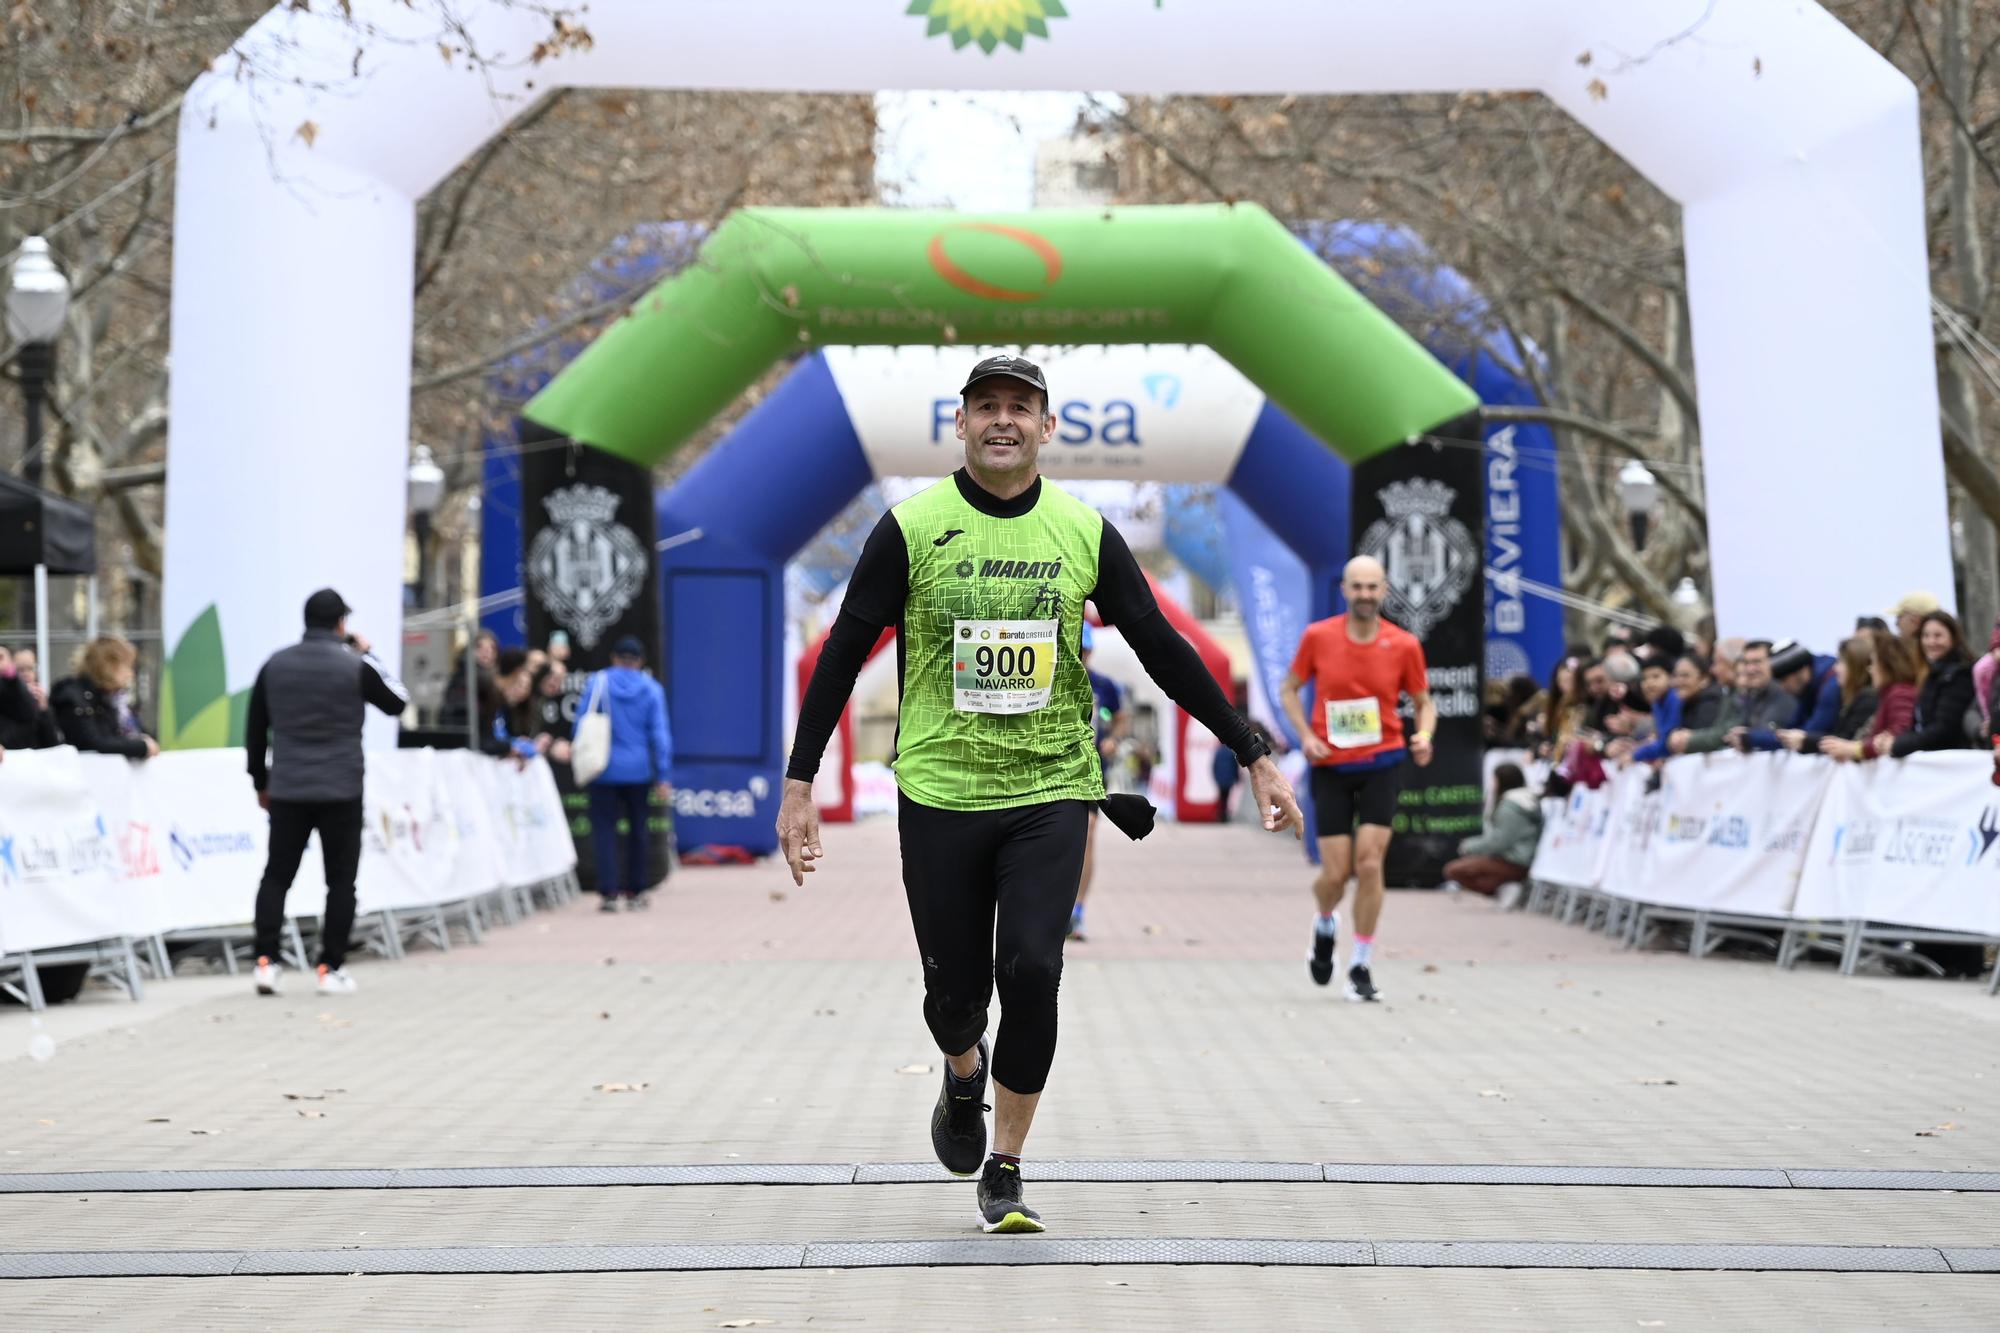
pixel 745 1021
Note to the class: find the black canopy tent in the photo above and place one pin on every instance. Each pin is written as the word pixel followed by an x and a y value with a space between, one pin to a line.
pixel 43 534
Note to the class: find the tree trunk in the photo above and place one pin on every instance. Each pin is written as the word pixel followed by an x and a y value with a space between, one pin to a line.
pixel 1981 560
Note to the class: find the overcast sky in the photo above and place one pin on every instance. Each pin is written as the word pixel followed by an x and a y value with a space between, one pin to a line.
pixel 971 151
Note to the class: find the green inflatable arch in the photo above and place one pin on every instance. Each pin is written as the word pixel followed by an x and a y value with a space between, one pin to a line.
pixel 771 281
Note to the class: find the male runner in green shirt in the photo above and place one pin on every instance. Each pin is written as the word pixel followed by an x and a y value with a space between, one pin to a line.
pixel 984 576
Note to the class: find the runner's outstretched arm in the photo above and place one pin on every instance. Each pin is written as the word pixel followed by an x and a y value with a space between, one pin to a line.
pixel 874 600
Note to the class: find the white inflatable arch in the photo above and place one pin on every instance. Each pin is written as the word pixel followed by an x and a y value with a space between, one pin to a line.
pixel 1791 146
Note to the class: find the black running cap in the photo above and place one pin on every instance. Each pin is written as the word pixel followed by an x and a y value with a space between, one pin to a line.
pixel 325 609
pixel 1011 367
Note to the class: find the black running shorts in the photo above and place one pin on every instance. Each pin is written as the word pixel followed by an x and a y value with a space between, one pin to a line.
pixel 1343 799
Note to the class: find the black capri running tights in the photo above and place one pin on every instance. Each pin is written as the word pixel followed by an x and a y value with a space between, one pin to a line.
pixel 990 895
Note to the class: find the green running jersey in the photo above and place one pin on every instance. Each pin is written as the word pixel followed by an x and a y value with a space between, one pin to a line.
pixel 996 708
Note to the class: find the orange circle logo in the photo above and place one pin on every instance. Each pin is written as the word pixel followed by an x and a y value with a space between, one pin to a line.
pixel 1039 246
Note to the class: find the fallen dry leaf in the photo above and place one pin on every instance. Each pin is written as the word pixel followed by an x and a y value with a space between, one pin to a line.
pixel 623 1087
pixel 1149 930
pixel 1598 92
pixel 906 1069
pixel 45 1121
pixel 307 130
pixel 1430 967
pixel 777 895
pixel 1935 1130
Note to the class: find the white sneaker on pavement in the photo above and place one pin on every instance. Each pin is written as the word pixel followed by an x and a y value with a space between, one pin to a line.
pixel 267 977
pixel 335 981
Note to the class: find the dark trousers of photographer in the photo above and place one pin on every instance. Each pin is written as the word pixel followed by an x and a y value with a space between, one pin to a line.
pixel 293 823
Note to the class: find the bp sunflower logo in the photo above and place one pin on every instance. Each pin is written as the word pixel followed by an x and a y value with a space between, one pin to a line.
pixel 988 22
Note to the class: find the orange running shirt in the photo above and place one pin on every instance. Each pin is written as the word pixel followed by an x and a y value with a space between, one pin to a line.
pixel 1356 687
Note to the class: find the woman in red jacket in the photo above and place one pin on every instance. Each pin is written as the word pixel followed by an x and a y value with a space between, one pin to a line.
pixel 1896 686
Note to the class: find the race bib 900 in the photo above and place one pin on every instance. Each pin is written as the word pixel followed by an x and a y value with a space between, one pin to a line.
pixel 1002 666
pixel 1352 724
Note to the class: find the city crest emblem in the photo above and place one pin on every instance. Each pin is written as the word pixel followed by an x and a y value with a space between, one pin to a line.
pixel 585 567
pixel 1429 556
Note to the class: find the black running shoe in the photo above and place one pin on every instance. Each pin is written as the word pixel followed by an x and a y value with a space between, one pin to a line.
pixel 610 904
pixel 1321 961
pixel 1000 1206
pixel 1361 986
pixel 958 1125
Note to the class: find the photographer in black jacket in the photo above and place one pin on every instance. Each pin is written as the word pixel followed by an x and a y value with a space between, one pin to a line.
pixel 308 706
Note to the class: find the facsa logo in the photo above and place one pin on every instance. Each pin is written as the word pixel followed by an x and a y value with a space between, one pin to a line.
pixel 738 804
pixel 1114 422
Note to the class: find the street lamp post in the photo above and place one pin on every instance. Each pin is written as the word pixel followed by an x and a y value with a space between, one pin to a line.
pixel 426 482
pixel 1686 598
pixel 1641 492
pixel 37 303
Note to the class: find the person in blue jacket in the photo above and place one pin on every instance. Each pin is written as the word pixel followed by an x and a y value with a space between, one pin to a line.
pixel 1810 678
pixel 1656 683
pixel 642 762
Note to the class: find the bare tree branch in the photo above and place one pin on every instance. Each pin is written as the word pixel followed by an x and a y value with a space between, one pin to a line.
pixel 1611 435
pixel 133 126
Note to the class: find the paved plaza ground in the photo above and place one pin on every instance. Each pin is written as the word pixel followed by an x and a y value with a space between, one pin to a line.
pixel 1222 1145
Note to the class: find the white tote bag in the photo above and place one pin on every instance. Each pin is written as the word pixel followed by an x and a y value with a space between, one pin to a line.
pixel 590 747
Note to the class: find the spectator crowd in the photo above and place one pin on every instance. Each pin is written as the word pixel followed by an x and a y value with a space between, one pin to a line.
pixel 1888 691
pixel 93 709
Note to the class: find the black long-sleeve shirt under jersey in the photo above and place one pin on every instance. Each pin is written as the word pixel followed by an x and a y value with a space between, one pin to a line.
pixel 881 584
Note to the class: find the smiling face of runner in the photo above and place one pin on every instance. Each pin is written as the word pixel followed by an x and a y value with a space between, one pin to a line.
pixel 1004 423
pixel 1364 585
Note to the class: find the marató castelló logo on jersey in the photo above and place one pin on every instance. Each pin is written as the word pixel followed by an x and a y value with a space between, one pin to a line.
pixel 988 23
pixel 585 567
pixel 1429 556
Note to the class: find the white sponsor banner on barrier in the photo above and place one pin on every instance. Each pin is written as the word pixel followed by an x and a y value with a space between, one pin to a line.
pixel 1576 835
pixel 96 847
pixel 1914 842
pixel 206 838
pixel 1161 412
pixel 1724 833
pixel 60 879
